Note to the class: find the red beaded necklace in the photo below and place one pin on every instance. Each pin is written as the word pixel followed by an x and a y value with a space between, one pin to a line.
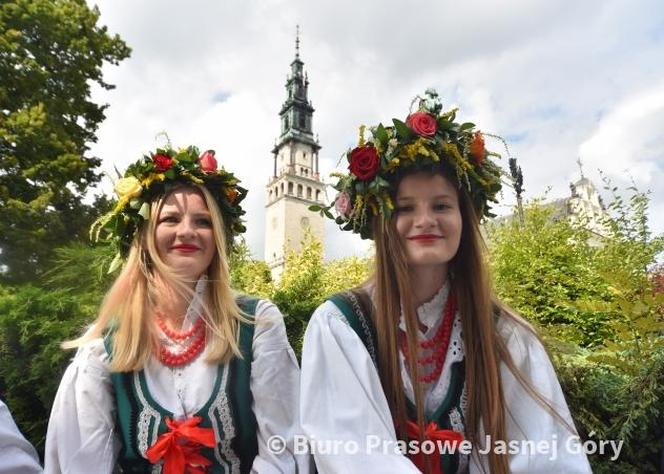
pixel 196 346
pixel 178 335
pixel 439 343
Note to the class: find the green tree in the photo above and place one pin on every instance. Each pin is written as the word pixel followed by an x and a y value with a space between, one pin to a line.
pixel 307 280
pixel 51 53
pixel 345 273
pixel 249 275
pixel 543 268
pixel 608 300
pixel 626 262
pixel 300 288
pixel 36 320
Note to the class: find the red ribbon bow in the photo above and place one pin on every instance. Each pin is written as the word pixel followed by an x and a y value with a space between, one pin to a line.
pixel 180 446
pixel 432 433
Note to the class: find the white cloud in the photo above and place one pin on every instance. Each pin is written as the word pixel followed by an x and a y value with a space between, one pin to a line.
pixel 629 139
pixel 562 79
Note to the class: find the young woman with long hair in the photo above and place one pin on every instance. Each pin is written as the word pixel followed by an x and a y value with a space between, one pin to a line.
pixel 178 374
pixel 422 369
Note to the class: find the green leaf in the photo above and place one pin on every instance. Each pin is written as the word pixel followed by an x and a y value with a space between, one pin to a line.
pixel 381 182
pixel 144 211
pixel 445 124
pixel 381 134
pixel 466 126
pixel 402 129
pixel 116 263
pixel 170 173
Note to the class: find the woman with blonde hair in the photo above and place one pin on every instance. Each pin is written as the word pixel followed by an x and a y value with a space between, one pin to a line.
pixel 178 374
pixel 422 369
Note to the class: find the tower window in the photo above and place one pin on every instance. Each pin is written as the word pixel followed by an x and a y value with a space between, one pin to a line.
pixel 299 190
pixel 302 120
pixel 308 192
pixel 317 195
pixel 290 188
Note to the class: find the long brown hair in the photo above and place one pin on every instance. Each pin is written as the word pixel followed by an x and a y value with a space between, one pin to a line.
pixel 130 303
pixel 485 348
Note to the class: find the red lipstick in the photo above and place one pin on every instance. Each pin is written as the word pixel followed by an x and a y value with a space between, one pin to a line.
pixel 425 238
pixel 185 248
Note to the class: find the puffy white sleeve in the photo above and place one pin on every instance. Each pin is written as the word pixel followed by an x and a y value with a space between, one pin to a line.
pixel 16 453
pixel 275 381
pixel 343 408
pixel 81 431
pixel 546 445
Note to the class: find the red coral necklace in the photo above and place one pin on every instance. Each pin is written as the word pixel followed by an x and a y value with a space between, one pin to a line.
pixel 178 335
pixel 195 346
pixel 439 343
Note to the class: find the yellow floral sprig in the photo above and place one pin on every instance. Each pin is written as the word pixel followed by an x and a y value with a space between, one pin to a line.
pixel 361 141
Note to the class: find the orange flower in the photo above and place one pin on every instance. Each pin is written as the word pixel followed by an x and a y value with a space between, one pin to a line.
pixel 477 149
pixel 231 194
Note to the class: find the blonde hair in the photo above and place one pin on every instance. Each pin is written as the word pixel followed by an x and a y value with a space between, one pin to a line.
pixel 128 307
pixel 485 348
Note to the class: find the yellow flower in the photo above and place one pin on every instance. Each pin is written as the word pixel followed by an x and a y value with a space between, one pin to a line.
pixel 152 178
pixel 373 207
pixel 361 140
pixel 357 209
pixel 452 149
pixel 412 150
pixel 392 165
pixel 128 188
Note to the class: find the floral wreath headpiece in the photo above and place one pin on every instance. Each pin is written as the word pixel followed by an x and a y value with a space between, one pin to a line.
pixel 427 139
pixel 155 175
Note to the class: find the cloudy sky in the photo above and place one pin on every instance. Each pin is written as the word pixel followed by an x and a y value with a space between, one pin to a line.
pixel 558 79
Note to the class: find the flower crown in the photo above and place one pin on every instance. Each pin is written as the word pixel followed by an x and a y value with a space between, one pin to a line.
pixel 428 139
pixel 153 176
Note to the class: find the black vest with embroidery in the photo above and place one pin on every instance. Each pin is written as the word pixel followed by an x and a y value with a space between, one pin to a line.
pixel 140 419
pixel 450 413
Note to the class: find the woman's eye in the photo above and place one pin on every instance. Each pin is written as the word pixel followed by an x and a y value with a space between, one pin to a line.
pixel 170 219
pixel 204 222
pixel 440 207
pixel 402 209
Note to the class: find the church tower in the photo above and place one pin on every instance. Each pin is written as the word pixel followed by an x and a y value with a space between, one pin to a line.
pixel 295 182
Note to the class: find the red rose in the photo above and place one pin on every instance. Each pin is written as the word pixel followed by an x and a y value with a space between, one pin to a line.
pixel 477 150
pixel 422 123
pixel 364 162
pixel 208 162
pixel 162 162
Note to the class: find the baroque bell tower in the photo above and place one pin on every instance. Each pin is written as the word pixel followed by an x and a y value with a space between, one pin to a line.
pixel 295 182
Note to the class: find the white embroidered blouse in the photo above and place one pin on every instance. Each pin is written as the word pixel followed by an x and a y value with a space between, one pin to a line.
pixel 82 435
pixel 342 399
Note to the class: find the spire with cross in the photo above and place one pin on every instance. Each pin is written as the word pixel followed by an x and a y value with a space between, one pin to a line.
pixel 580 163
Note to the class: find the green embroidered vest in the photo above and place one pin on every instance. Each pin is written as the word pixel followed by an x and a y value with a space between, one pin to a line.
pixel 140 419
pixel 450 413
